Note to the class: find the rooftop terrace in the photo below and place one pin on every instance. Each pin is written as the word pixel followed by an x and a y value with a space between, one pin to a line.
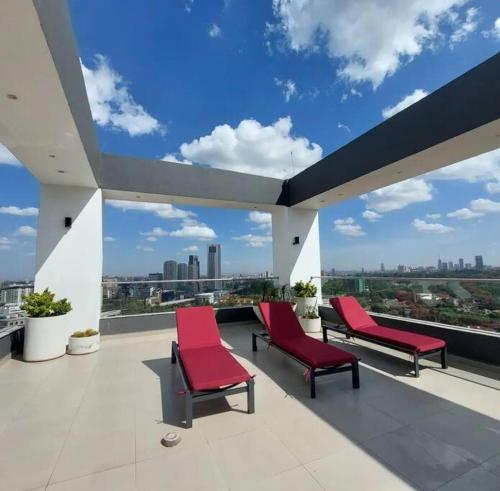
pixel 96 422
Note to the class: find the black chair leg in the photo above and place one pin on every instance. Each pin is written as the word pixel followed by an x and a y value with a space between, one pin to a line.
pixel 173 358
pixel 254 342
pixel 325 335
pixel 251 396
pixel 189 409
pixel 355 374
pixel 444 358
pixel 415 360
pixel 312 382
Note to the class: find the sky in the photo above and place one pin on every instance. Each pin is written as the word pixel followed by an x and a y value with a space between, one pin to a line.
pixel 270 87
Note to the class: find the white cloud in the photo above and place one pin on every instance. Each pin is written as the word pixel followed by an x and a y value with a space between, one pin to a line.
pixel 214 31
pixel 464 214
pixel 7 158
pixel 348 226
pixel 482 168
pixel 288 88
pixel 485 206
pixel 398 196
pixel 252 240
pixel 254 149
pixel 170 157
pixel 156 232
pixel 343 126
pixel 192 229
pixel 495 30
pixel 263 220
pixel 5 243
pixel 151 238
pixel 433 216
pixel 373 38
pixel 111 103
pixel 162 210
pixel 108 238
pixel 188 5
pixel 437 228
pixel 193 248
pixel 26 231
pixel 405 102
pixel 466 26
pixel 30 211
pixel 371 216
pixel 352 92
pixel 144 248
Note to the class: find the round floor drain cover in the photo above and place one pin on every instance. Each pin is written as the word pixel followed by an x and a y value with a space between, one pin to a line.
pixel 171 439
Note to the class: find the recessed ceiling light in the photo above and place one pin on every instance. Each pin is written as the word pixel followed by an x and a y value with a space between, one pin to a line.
pixel 399 172
pixel 13 97
pixel 321 200
pixel 52 156
pixel 138 197
pixel 340 194
pixel 60 171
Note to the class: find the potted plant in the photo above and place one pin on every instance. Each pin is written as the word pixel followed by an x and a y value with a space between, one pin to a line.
pixel 305 296
pixel 270 293
pixel 45 334
pixel 84 342
pixel 310 321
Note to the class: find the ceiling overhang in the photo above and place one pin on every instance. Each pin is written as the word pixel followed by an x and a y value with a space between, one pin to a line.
pixel 45 119
pixel 136 179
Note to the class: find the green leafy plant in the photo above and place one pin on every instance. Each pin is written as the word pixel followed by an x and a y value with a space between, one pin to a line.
pixel 43 305
pixel 84 334
pixel 305 290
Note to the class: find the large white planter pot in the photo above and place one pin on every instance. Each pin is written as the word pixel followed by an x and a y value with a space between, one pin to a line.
pixel 45 338
pixel 84 346
pixel 305 303
pixel 310 325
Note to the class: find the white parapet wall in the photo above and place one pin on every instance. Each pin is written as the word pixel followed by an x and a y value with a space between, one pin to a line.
pixel 69 259
pixel 295 262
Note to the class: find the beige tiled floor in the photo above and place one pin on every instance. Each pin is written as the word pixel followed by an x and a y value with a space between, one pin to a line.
pixel 95 422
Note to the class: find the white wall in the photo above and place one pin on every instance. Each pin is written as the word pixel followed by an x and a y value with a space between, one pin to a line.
pixel 296 262
pixel 69 260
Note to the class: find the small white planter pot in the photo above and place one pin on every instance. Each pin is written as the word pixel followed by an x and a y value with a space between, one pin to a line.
pixel 305 303
pixel 310 325
pixel 84 346
pixel 45 338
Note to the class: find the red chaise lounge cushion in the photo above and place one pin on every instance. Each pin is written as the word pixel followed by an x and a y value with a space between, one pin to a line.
pixel 207 363
pixel 360 322
pixel 285 331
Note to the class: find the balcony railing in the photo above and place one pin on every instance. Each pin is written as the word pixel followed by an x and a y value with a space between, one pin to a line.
pixel 467 302
pixel 123 298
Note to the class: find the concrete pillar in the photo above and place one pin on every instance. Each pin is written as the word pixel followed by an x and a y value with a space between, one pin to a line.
pixel 295 262
pixel 69 260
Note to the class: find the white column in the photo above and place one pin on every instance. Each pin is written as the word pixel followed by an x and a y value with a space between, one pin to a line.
pixel 300 261
pixel 69 260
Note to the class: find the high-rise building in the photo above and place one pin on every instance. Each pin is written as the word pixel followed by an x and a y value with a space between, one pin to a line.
pixel 440 264
pixel 450 265
pixel 461 263
pixel 182 271
pixel 155 277
pixel 479 263
pixel 214 269
pixel 170 273
pixel 382 267
pixel 194 272
pixel 468 266
pixel 14 294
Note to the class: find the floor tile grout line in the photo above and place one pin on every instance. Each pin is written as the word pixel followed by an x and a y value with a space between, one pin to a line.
pixel 72 423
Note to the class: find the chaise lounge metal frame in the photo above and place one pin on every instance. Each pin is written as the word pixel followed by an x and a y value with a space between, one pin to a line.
pixel 417 356
pixel 313 372
pixel 192 397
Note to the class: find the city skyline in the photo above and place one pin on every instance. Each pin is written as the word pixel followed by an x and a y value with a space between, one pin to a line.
pixel 299 105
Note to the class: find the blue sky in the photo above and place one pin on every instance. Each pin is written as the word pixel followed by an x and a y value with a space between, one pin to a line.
pixel 239 85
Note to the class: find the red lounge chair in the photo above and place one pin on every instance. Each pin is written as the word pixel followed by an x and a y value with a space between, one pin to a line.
pixel 360 325
pixel 286 334
pixel 208 370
